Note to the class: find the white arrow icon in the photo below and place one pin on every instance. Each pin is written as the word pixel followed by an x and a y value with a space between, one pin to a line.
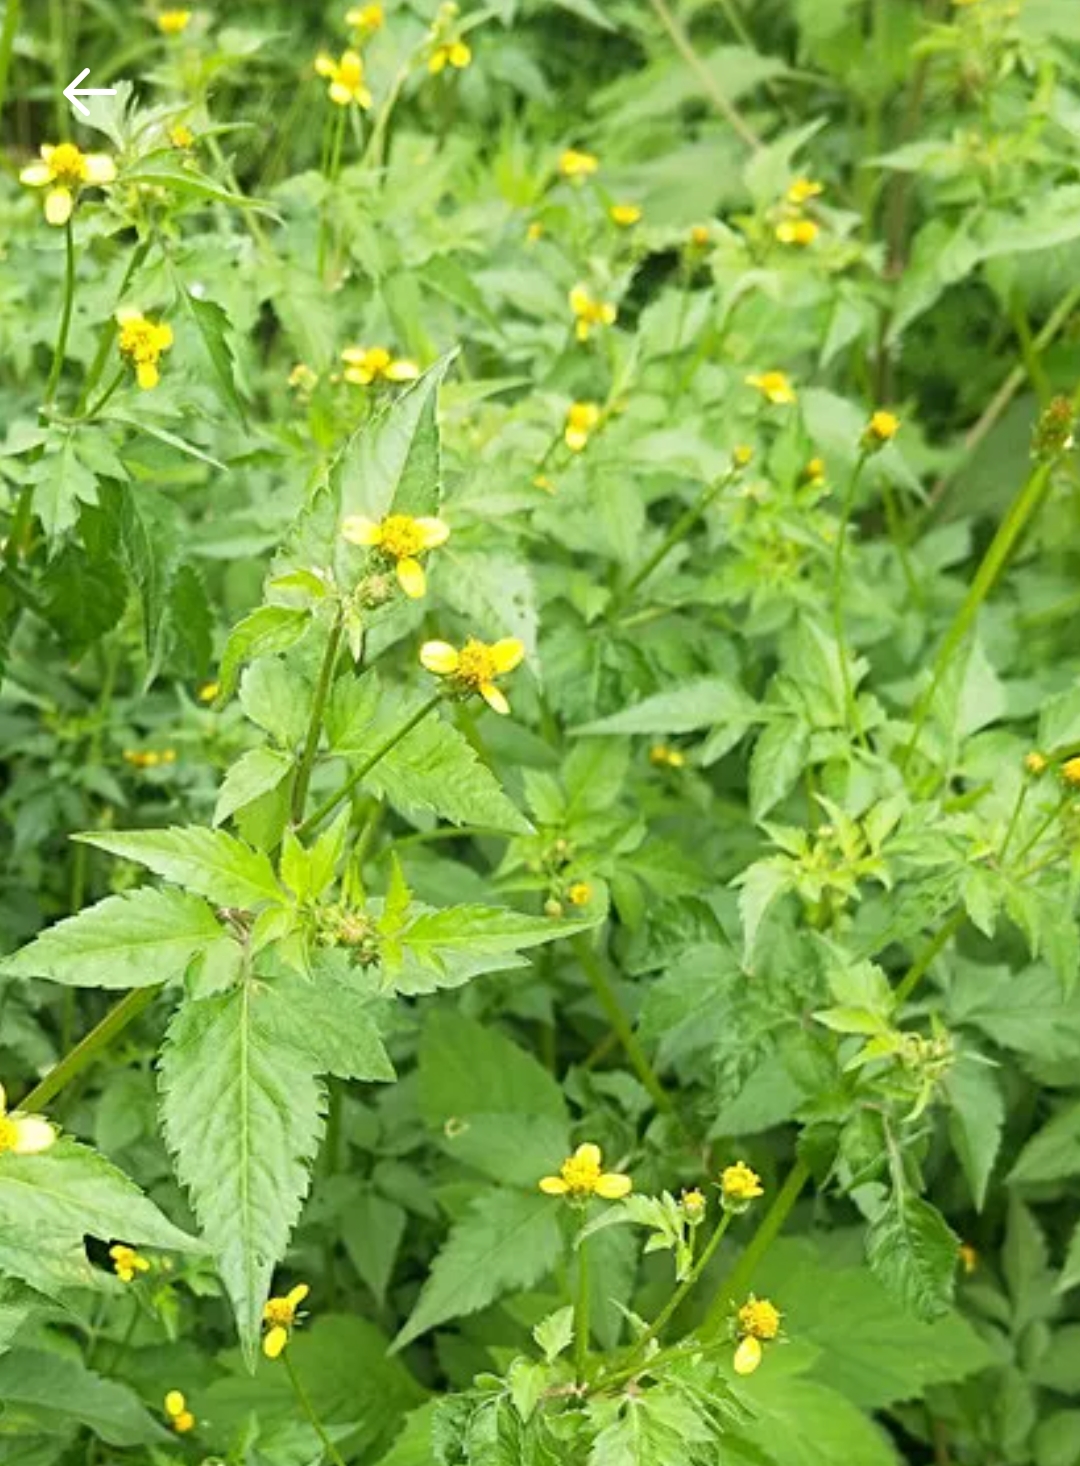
pixel 73 92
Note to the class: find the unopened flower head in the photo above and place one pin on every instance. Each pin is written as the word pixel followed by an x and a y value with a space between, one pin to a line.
pixel 576 165
pixel 475 667
pixel 582 1175
pixel 346 78
pixel 969 1258
pixel 581 419
pixel 739 1186
pixel 1035 763
pixel 181 137
pixel 580 893
pixel 180 1417
pixel 625 215
pixel 401 539
pixel 280 1318
pixel 367 364
pixel 694 1205
pixel 775 387
pixel 143 342
pixel 64 170
pixel 23 1134
pixel 173 22
pixel 590 312
pixel 802 190
pixel 666 757
pixel 127 1263
pixel 813 472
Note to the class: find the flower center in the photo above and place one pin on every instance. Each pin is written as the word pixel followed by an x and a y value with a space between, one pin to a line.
pixel 279 1313
pixel 759 1319
pixel 402 537
pixel 67 165
pixel 581 1175
pixel 9 1134
pixel 476 666
pixel 139 340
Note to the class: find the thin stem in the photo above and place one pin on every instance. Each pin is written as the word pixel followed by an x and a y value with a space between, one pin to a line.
pixel 314 731
pixel 1043 826
pixel 915 973
pixel 606 996
pixel 1014 820
pixel 836 593
pixel 65 315
pixel 679 530
pixel 685 48
pixel 108 331
pixel 92 412
pixel 304 1401
pixel 328 806
pixel 7 44
pixel 87 1049
pixel 738 1280
pixel 675 1301
pixel 581 1313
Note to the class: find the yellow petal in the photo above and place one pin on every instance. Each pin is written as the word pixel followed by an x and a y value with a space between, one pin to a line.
pixel 747 1356
pixel 296 1296
pixel 411 578
pixel 354 355
pixel 360 376
pixel 175 1404
pixel 36 175
pixel 581 330
pixel 59 203
pixel 439 657
pixel 325 66
pixel 32 1134
pixel 508 654
pixel 437 62
pixel 554 1186
pixel 147 375
pixel 3 1099
pixel 164 336
pixel 588 1154
pixel 402 370
pixel 434 531
pixel 576 439
pixel 275 1341
pixel 340 94
pixel 460 55
pixel 99 168
pixel 494 698
pixel 126 313
pixel 363 97
pixel 359 530
pixel 611 1186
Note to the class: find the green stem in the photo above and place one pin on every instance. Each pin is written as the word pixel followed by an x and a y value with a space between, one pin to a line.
pixel 304 1401
pixel 108 331
pixel 836 594
pixel 915 973
pixel 581 1313
pixel 675 1301
pixel 738 1280
pixel 87 1049
pixel 606 996
pixel 314 731
pixel 705 78
pixel 1043 826
pixel 1014 819
pixel 65 315
pixel 7 44
pixel 99 405
pixel 328 806
pixel 679 530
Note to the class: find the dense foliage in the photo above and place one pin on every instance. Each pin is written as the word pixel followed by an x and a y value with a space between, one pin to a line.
pixel 540 731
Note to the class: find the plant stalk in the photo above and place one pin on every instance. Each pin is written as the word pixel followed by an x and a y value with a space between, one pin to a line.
pixel 304 1401
pixel 87 1049
pixel 65 315
pixel 608 999
pixel 314 731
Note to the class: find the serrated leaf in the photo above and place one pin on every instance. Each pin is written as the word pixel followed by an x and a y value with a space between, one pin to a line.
pixel 257 772
pixel 62 1391
pixel 704 703
pixel 778 759
pixel 1052 1153
pixel 208 862
pixel 267 630
pixel 448 947
pixel 333 1023
pixel 242 1110
pixel 976 1122
pixel 135 940
pixel 506 1241
pixel 913 1251
pixel 212 324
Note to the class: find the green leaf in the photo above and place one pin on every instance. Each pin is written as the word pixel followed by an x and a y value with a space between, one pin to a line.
pixel 446 948
pixel 267 630
pixel 776 763
pixel 257 772
pixel 1070 1272
pixel 506 1241
pixel 708 702
pixel 803 1423
pixel 332 1022
pixel 242 1111
pixel 372 1229
pixel 17 1305
pixel 976 1122
pixel 277 699
pixel 1052 1153
pixel 49 1204
pixel 63 1392
pixel 135 940
pixel 212 324
pixel 913 1252
pixel 208 862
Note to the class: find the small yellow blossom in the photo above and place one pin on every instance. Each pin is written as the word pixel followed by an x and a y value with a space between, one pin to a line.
pixel 302 378
pixel 401 538
pixel 693 1205
pixel 739 1186
pixel 143 341
pixel 775 387
pixel 581 419
pixel 542 481
pixel 625 215
pixel 813 472
pixel 882 428
pixel 664 757
pixel 577 165
pixel 367 364
pixel 1070 770
pixel 800 232
pixel 969 1258
pixel 756 1320
pixel 449 53
pixel 476 666
pixel 208 692
pixel 580 893
pixel 700 236
pixel 589 312
pixel 173 22
pixel 802 190
pixel 1035 763
pixel 23 1134
pixel 534 231
pixel 181 137
pixel 180 1417
pixel 279 1317
pixel 581 1176
pixel 63 171
pixel 346 78
pixel 367 19
pixel 742 456
pixel 149 758
pixel 127 1263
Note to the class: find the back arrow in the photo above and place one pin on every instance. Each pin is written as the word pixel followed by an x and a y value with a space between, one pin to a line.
pixel 73 92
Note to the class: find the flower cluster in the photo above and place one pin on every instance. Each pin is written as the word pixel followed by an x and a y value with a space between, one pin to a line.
pixel 180 1417
pixel 127 1263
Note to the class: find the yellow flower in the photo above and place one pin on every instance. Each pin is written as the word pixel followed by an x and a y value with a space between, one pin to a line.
pixel 1035 763
pixel 580 893
pixel 279 1316
pixel 143 341
pixel 173 22
pixel 775 387
pixel 581 1176
pixel 882 428
pixel 534 231
pixel 581 418
pixel 449 53
pixel 589 312
pixel 367 364
pixel 801 232
pixel 664 757
pixel 208 691
pixel 1070 770
pixel 346 78
pixel 63 171
pixel 576 165
pixel 739 1186
pixel 181 136
pixel 127 1262
pixel 23 1134
pixel 814 472
pixel 700 236
pixel 743 456
pixel 401 538
pixel 625 215
pixel 475 667
pixel 803 190
pixel 180 1417
pixel 756 1320
pixel 969 1258
pixel 542 481
pixel 693 1205
pixel 365 18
